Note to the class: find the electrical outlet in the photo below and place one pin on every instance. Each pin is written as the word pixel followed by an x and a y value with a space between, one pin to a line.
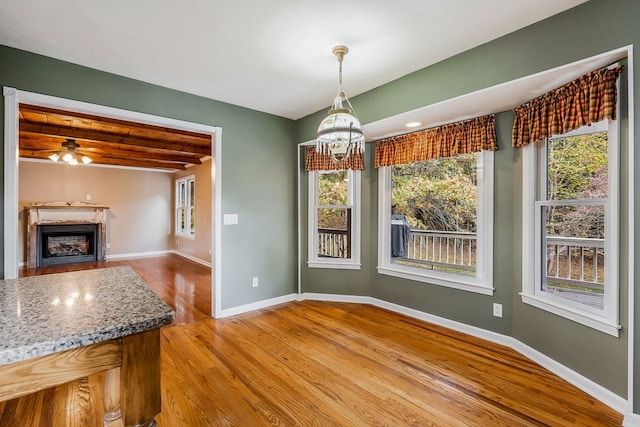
pixel 108 245
pixel 254 282
pixel 88 196
pixel 497 309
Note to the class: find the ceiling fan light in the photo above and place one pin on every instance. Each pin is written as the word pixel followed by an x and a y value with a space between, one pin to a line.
pixel 71 156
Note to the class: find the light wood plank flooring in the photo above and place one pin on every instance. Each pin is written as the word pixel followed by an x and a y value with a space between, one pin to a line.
pixel 321 364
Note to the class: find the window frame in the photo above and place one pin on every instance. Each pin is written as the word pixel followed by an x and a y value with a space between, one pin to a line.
pixel 189 194
pixel 534 165
pixel 354 202
pixel 482 282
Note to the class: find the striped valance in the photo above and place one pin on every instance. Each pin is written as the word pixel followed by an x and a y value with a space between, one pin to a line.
pixel 469 136
pixel 323 162
pixel 586 100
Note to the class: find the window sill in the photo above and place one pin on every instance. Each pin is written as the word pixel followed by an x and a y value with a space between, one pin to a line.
pixel 186 236
pixel 459 283
pixel 337 265
pixel 583 317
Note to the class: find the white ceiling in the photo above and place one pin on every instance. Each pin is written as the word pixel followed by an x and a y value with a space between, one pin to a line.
pixel 272 56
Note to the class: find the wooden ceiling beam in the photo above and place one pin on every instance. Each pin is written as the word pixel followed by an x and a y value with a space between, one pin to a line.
pixel 67 132
pixel 141 156
pixel 109 161
pixel 52 142
pixel 195 138
pixel 106 150
pixel 139 163
pixel 110 141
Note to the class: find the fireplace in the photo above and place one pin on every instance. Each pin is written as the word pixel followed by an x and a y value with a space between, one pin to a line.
pixel 66 244
pixel 65 233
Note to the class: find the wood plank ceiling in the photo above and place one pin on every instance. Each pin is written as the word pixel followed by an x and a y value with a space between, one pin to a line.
pixel 109 141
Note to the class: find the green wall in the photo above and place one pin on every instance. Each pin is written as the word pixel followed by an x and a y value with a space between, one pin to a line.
pixel 587 30
pixel 258 165
pixel 259 180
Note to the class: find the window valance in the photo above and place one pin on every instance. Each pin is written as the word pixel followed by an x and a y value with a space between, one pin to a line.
pixel 468 136
pixel 583 101
pixel 323 162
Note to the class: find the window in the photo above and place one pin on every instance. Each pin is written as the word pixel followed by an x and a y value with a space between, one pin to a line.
pixel 570 226
pixel 436 221
pixel 334 219
pixel 186 207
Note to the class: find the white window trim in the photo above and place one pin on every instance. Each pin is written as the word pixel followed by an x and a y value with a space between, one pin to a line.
pixel 482 282
pixel 606 321
pixel 352 263
pixel 185 179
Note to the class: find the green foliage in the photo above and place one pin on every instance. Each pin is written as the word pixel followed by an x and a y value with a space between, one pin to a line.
pixel 437 194
pixel 333 219
pixel 577 169
pixel 333 188
pixel 573 162
pixel 441 194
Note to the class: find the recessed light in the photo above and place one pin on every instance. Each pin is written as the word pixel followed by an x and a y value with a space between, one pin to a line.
pixel 413 124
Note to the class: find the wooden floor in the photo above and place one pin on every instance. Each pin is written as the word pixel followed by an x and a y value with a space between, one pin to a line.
pixel 181 283
pixel 321 364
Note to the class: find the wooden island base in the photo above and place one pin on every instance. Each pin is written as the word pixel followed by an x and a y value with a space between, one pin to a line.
pixel 132 378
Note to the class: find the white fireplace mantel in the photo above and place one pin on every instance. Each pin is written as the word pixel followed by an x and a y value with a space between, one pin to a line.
pixel 64 213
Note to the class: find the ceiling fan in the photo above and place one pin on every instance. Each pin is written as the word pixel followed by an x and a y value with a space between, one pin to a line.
pixel 70 154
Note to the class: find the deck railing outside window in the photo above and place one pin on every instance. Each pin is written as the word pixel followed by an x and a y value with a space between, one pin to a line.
pixel 334 243
pixel 572 263
pixel 575 269
pixel 443 249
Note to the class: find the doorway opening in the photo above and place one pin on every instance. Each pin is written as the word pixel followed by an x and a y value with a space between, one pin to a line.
pixel 13 99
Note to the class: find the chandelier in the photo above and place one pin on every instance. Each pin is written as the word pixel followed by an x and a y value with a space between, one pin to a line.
pixel 340 133
pixel 70 154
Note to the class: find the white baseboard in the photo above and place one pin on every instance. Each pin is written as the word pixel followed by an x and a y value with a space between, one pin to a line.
pixel 336 298
pixel 255 306
pixel 148 254
pixel 631 420
pixel 585 384
pixel 192 258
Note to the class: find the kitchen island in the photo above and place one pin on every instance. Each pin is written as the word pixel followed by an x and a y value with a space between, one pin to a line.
pixel 57 328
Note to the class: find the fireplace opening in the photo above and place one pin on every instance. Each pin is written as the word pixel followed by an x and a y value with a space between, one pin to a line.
pixel 66 244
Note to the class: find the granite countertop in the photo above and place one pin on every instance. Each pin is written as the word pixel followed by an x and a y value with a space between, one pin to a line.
pixel 45 314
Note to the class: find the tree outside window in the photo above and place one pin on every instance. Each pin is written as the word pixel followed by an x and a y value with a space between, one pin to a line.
pixel 571 192
pixel 574 218
pixel 438 199
pixel 436 221
pixel 334 222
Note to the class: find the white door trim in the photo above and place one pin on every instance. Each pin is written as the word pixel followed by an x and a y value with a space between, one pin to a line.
pixel 12 99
